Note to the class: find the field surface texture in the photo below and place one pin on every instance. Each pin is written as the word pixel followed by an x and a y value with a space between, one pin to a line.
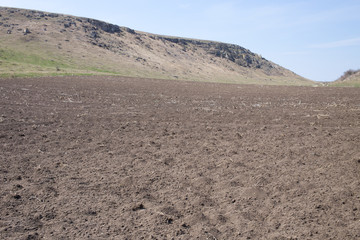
pixel 125 158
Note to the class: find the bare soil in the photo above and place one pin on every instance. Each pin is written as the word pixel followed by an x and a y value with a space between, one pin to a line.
pixel 125 158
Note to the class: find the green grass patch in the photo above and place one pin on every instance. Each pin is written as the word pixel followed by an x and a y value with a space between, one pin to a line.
pixel 13 56
pixel 36 74
pixel 17 64
pixel 103 71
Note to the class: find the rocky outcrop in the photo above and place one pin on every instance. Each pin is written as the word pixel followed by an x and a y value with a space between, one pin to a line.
pixel 69 23
pixel 106 27
pixel 234 53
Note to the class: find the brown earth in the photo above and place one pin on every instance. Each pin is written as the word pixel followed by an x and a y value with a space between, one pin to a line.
pixel 123 158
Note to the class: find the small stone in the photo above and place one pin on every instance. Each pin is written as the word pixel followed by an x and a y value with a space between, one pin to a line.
pixel 26 31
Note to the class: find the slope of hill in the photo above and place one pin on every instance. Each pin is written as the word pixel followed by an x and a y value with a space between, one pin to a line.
pixel 350 78
pixel 35 43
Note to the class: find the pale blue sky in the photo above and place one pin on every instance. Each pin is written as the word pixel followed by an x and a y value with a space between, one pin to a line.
pixel 318 39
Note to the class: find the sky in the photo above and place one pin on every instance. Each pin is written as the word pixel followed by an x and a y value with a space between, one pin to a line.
pixel 317 39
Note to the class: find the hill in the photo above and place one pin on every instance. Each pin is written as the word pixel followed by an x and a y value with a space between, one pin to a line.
pixel 350 78
pixel 35 43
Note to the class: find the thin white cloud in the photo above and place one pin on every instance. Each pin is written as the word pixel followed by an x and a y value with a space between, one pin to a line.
pixel 337 44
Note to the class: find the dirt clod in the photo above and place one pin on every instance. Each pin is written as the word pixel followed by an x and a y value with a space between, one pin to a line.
pixel 139 207
pixel 17 196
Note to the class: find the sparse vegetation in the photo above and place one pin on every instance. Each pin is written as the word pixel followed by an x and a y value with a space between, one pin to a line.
pixel 350 78
pixel 348 73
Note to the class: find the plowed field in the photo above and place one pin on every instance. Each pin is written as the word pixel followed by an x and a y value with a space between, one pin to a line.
pixel 126 158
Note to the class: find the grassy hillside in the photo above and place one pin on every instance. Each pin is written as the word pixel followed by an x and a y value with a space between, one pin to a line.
pixel 350 78
pixel 36 43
